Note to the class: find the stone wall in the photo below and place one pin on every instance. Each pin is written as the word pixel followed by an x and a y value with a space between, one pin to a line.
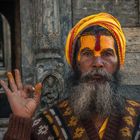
pixel 126 11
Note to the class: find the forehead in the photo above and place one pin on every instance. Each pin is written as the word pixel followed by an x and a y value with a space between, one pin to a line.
pixel 100 41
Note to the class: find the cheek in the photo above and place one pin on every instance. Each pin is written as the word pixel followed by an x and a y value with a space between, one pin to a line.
pixel 84 65
pixel 111 64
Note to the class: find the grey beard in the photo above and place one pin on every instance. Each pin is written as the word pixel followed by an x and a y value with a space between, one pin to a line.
pixel 92 96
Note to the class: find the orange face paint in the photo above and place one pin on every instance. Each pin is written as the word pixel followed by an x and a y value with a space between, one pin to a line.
pixel 9 74
pixel 97 44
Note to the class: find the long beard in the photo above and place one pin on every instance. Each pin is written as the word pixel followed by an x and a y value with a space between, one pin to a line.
pixel 96 95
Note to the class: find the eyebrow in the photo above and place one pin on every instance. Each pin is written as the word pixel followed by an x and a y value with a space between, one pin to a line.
pixel 108 49
pixel 85 49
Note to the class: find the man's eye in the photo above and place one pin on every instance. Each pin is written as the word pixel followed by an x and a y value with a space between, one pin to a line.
pixel 88 54
pixel 107 54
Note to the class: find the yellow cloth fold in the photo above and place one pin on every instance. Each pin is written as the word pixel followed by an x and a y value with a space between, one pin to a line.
pixel 102 19
pixel 103 128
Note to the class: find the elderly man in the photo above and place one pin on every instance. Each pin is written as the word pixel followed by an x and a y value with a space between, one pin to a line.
pixel 94 110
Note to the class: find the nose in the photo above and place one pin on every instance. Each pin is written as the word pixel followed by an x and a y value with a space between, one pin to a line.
pixel 98 62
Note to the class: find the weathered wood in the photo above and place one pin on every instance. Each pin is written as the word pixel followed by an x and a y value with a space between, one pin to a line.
pixel 27 40
pixel 139 12
pixel 43 25
pixel 132 63
pixel 132 39
pixel 65 20
pixel 48 25
pixel 53 20
pixel 131 74
pixel 17 34
pixel 125 11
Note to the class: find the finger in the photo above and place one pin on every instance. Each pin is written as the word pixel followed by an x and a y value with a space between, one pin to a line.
pixel 29 88
pixel 18 79
pixel 5 87
pixel 37 92
pixel 38 88
pixel 12 81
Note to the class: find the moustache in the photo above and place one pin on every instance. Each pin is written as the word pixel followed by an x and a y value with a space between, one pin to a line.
pixel 96 75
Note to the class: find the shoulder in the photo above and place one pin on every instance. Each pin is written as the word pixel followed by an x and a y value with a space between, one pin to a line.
pixel 133 103
pixel 132 107
pixel 132 117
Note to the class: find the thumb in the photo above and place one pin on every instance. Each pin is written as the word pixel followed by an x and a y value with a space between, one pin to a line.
pixel 37 92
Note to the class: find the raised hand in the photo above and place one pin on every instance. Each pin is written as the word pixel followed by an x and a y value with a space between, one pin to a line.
pixel 18 95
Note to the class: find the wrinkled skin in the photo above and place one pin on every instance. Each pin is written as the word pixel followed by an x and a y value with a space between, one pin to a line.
pixel 18 95
pixel 90 59
pixel 105 58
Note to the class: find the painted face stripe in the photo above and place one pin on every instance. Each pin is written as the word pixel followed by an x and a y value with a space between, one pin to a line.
pixel 97 45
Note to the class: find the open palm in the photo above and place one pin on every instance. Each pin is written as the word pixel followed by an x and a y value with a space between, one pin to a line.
pixel 19 96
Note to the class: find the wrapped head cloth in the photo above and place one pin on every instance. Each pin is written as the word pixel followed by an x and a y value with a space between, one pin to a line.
pixel 104 20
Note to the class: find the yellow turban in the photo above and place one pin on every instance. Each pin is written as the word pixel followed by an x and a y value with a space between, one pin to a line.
pixel 102 19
